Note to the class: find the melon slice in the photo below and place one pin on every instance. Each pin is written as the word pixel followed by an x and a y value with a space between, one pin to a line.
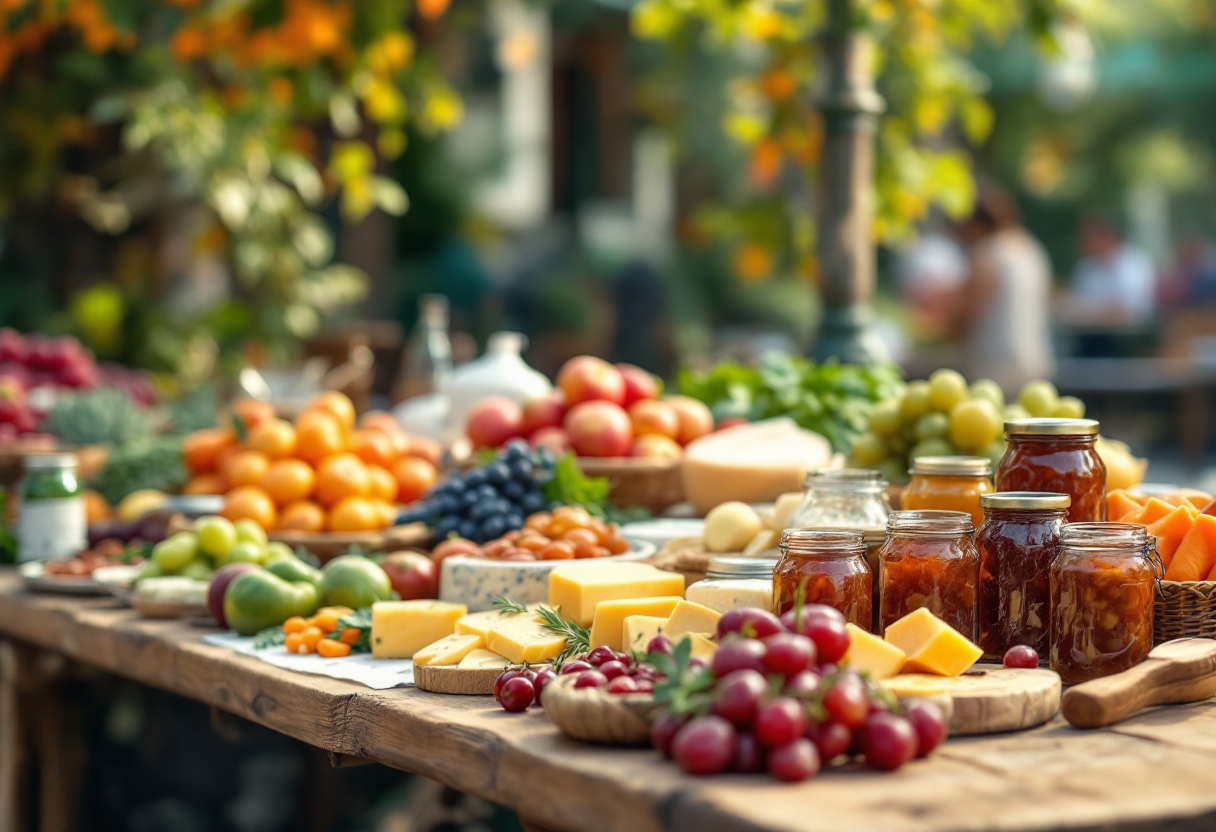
pixel 1119 504
pixel 1195 559
pixel 1171 529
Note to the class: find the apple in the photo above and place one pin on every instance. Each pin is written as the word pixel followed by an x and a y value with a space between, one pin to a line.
pixel 650 416
pixel 412 575
pixel 39 351
pixel 493 422
pixel 17 373
pixel 654 446
pixel 599 429
pixel 12 346
pixel 548 411
pixel 555 439
pixel 639 384
pixel 732 422
pixel 587 378
pixel 695 418
pixel 224 576
pixel 11 391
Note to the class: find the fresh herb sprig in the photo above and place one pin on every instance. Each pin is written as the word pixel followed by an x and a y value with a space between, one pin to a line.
pixel 686 689
pixel 506 606
pixel 578 638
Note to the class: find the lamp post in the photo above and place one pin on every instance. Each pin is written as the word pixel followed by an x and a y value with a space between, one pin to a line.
pixel 850 107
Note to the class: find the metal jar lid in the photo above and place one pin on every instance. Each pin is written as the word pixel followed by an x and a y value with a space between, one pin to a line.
pixel 51 462
pixel 736 567
pixel 952 466
pixel 1027 500
pixel 1051 427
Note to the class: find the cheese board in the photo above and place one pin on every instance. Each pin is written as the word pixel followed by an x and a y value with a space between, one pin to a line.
pixel 989 698
pixel 461 681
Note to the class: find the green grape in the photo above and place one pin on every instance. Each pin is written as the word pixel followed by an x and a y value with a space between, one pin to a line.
pixel 1039 397
pixel 173 554
pixel 1015 411
pixel 150 569
pixel 199 569
pixel 931 447
pixel 216 535
pixel 275 549
pixel 946 389
pixel 899 445
pixel 932 426
pixel 994 451
pixel 885 418
pixel 869 449
pixel 988 389
pixel 251 531
pixel 974 424
pixel 916 402
pixel 245 552
pixel 1069 407
pixel 894 471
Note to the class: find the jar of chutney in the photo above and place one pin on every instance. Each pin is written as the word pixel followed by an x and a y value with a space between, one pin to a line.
pixel 929 560
pixel 1058 456
pixel 825 566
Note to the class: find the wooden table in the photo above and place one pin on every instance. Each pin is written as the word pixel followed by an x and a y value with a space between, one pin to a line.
pixel 1153 772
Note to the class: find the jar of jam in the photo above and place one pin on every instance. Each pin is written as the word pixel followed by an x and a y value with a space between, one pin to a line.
pixel 827 566
pixel 949 483
pixel 929 560
pixel 1017 545
pixel 1103 585
pixel 1056 455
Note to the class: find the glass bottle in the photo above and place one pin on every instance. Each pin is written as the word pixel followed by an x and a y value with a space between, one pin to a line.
pixel 428 355
pixel 929 560
pixel 829 567
pixel 1057 456
pixel 52 522
pixel 949 483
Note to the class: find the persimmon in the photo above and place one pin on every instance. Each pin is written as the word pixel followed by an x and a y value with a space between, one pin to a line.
pixel 318 435
pixel 341 476
pixel 288 480
pixel 302 516
pixel 245 467
pixel 414 478
pixel 250 502
pixel 276 438
pixel 354 514
pixel 201 449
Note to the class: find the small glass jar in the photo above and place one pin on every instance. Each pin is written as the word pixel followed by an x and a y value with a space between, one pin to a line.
pixel 949 483
pixel 734 582
pixel 843 498
pixel 1103 583
pixel 52 522
pixel 827 566
pixel 1017 545
pixel 929 560
pixel 1058 456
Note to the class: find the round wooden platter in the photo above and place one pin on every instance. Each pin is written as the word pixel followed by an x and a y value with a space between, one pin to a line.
pixel 466 681
pixel 991 699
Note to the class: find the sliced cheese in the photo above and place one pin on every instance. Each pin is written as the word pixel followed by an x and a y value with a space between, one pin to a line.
pixel 480 623
pixel 402 628
pixel 732 593
pixel 449 650
pixel 702 646
pixel 525 639
pixel 610 617
pixel 481 659
pixel 871 655
pixel 577 589
pixel 778 517
pixel 638 630
pixel 691 617
pixel 767 539
pixel 932 645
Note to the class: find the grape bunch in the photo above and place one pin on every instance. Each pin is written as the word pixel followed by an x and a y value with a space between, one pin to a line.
pixel 601 667
pixel 943 416
pixel 488 501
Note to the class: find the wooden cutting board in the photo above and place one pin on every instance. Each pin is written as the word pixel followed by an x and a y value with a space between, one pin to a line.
pixel 989 699
pixel 461 681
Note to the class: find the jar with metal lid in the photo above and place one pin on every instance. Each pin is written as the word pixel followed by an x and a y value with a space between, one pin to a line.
pixel 1058 456
pixel 1017 545
pixel 52 521
pixel 843 498
pixel 825 566
pixel 1103 583
pixel 734 582
pixel 949 483
pixel 929 560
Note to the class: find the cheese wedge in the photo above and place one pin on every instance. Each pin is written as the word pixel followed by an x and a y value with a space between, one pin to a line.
pixel 449 650
pixel 578 588
pixel 525 639
pixel 932 645
pixel 610 616
pixel 480 623
pixel 482 659
pixel 871 655
pixel 702 646
pixel 691 617
pixel 638 630
pixel 402 628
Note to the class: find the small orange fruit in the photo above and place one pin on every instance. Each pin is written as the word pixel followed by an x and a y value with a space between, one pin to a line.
pixel 302 516
pixel 205 484
pixel 96 508
pixel 415 477
pixel 388 512
pixel 288 480
pixel 340 476
pixel 252 412
pixel 249 502
pixel 201 449
pixel 424 447
pixel 318 435
pixel 336 404
pixel 276 438
pixel 383 484
pixel 379 420
pixel 354 514
pixel 245 467
pixel 375 447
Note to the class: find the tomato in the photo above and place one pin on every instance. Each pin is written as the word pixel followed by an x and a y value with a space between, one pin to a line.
pixel 341 476
pixel 288 480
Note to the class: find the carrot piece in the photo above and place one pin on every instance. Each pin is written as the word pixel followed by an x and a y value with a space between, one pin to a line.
pixel 1195 559
pixel 1171 529
pixel 1119 504
pixel 332 648
pixel 1154 510
pixel 350 635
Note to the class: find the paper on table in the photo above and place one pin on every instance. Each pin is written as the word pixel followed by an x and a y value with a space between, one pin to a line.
pixel 379 674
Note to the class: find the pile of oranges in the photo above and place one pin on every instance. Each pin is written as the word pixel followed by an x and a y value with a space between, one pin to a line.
pixel 321 473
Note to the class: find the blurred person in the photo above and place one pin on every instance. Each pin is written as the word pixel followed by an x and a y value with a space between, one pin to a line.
pixel 1115 283
pixel 1002 317
pixel 1192 281
pixel 931 272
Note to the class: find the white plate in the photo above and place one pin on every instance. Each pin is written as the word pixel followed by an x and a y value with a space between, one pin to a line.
pixel 33 575
pixel 118 581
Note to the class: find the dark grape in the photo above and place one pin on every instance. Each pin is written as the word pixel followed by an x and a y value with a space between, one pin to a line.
pixel 446 526
pixel 660 644
pixel 514 520
pixel 810 612
pixel 480 511
pixel 1023 656
pixel 493 527
pixel 470 530
pixel 803 685
pixel 612 669
pixel 517 694
pixel 542 680
pixel 736 654
pixel 455 485
pixel 497 473
pixel 504 677
pixel 521 470
pixel 846 701
pixel 663 730
pixel 831 738
pixel 780 721
pixel 887 741
pixel 469 499
pixel 475 479
pixel 532 502
pixel 705 745
pixel 929 723
pixel 751 622
pixel 737 695
pixel 794 762
pixel 515 449
pixel 513 491
pixel 749 754
pixel 788 654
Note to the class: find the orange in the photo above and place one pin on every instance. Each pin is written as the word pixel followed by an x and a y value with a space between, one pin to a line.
pixel 383 484
pixel 340 476
pixel 424 447
pixel 336 404
pixel 201 449
pixel 414 478
pixel 252 412
pixel 249 501
pixel 375 447
pixel 205 484
pixel 302 516
pixel 379 420
pixel 276 438
pixel 288 480
pixel 354 514
pixel 387 511
pixel 318 435
pixel 245 468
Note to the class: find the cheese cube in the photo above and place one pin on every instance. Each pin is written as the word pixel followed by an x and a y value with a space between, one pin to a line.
pixel 481 659
pixel 610 617
pixel 402 628
pixel 578 588
pixel 932 645
pixel 480 623
pixel 449 650
pixel 525 639
pixel 702 647
pixel 871 655
pixel 691 617
pixel 638 630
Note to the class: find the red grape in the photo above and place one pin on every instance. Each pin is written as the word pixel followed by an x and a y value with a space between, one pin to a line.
pixel 663 730
pixel 647 671
pixel 590 679
pixel 750 622
pixel 846 702
pixel 738 654
pixel 599 655
pixel 575 667
pixel 543 678
pixel 749 754
pixel 504 677
pixel 831 739
pixel 612 669
pixel 517 694
pixel 697 663
pixel 831 639
pixel 788 654
pixel 704 746
pixel 660 644
pixel 780 721
pixel 878 706
pixel 887 741
pixel 929 723
pixel 623 684
pixel 737 694
pixel 644 685
pixel 1021 655
pixel 803 685
pixel 794 762
pixel 810 612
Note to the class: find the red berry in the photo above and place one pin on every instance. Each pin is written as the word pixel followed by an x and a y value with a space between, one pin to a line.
pixel 612 669
pixel 780 722
pixel 887 741
pixel 660 644
pixel 646 671
pixel 750 622
pixel 749 754
pixel 704 746
pixel 622 684
pixel 591 679
pixel 929 723
pixel 788 654
pixel 517 694
pixel 803 685
pixel 599 655
pixel 542 680
pixel 663 730
pixel 644 685
pixel 504 677
pixel 575 667
pixel 831 639
pixel 831 739
pixel 810 612
pixel 737 695
pixel 846 701
pixel 1023 656
pixel 794 762
pixel 738 654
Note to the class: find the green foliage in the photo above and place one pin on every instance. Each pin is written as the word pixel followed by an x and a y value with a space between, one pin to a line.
pixel 150 463
pixel 106 416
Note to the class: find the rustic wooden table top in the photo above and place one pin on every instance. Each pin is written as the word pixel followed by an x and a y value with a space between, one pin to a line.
pixel 1152 772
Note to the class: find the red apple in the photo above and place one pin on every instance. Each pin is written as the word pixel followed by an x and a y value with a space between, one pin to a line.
pixel 555 439
pixel 695 418
pixel 39 351
pixel 11 390
pixel 599 429
pixel 493 422
pixel 12 346
pixel 654 417
pixel 587 378
pixel 412 575
pixel 732 422
pixel 639 384
pixel 224 576
pixel 548 411
pixel 654 446
pixel 424 447
pixel 17 372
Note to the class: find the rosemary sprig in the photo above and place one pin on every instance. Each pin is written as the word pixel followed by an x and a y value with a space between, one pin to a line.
pixel 506 606
pixel 578 639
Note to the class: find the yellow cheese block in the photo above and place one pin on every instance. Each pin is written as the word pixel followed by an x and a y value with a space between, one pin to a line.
pixel 402 628
pixel 917 684
pixel 610 617
pixel 525 639
pixel 691 617
pixel 702 646
pixel 449 650
pixel 577 589
pixel 638 630
pixel 481 659
pixel 871 655
pixel 932 645
pixel 480 623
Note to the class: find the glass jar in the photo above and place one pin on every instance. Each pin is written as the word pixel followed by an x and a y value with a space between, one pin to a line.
pixel 949 483
pixel 734 582
pixel 52 522
pixel 929 560
pixel 1058 456
pixel 828 566
pixel 1103 585
pixel 1017 545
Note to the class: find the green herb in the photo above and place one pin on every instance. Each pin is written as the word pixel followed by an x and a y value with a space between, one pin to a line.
pixel 270 637
pixel 571 487
pixel 506 606
pixel 686 689
pixel 151 463
pixel 578 639
pixel 106 416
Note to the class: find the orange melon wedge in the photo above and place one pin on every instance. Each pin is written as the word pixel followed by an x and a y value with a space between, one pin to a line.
pixel 1171 529
pixel 1119 504
pixel 1195 558
pixel 1154 510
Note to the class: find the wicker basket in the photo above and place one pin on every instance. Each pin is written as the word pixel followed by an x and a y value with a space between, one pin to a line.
pixel 655 485
pixel 1184 609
